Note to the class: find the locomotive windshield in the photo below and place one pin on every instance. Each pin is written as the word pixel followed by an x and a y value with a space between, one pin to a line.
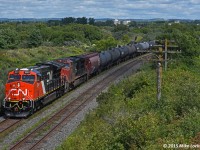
pixel 28 78
pixel 67 65
pixel 13 78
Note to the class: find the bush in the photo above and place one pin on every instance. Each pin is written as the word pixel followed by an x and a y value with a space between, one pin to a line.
pixel 130 117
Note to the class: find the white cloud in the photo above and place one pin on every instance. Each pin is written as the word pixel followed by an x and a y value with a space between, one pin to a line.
pixel 100 8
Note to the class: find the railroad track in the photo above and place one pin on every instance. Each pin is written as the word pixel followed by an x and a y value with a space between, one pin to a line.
pixel 7 124
pixel 40 135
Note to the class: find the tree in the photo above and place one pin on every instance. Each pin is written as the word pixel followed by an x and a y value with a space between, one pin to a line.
pixel 53 22
pixel 82 20
pixel 68 20
pixel 9 39
pixel 106 43
pixel 133 24
pixel 121 27
pixel 91 21
pixel 35 38
pixel 126 39
pixel 109 23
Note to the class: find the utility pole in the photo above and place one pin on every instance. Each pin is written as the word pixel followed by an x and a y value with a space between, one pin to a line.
pixel 165 54
pixel 159 73
pixel 159 54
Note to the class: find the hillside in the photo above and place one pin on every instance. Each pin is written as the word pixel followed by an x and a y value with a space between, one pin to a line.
pixel 130 117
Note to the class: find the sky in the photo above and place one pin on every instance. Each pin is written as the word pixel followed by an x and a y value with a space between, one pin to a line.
pixel 116 9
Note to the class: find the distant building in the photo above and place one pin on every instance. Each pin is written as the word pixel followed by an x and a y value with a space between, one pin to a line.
pixel 126 22
pixel 116 22
pixel 176 21
pixel 169 24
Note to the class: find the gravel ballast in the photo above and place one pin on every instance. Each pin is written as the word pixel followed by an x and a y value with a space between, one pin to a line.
pixel 57 139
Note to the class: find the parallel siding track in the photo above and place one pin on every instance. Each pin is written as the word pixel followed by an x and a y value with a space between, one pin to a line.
pixel 7 124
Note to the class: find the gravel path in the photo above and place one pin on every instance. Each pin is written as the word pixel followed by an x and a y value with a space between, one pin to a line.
pixel 67 130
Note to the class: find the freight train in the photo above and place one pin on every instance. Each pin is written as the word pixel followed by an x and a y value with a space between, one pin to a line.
pixel 29 89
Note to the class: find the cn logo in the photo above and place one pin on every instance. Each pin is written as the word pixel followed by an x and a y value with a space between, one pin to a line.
pixel 18 91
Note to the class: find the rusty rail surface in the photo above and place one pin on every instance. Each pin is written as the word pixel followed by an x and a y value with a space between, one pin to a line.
pixel 7 124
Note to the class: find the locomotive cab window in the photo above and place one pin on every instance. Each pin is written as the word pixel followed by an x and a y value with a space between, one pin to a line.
pixel 13 78
pixel 39 78
pixel 28 78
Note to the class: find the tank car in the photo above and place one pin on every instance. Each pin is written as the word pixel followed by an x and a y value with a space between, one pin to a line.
pixel 105 59
pixel 115 55
pixel 151 44
pixel 142 46
pixel 124 51
pixel 132 50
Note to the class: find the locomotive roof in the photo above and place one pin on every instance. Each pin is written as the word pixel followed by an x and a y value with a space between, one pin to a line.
pixel 54 64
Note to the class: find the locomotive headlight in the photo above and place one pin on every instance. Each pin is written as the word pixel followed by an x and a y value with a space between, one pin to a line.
pixel 18 84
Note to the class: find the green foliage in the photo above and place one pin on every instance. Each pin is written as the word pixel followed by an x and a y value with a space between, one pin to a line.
pixel 121 27
pixel 35 39
pixel 91 21
pixel 68 20
pixel 130 117
pixel 82 20
pixel 8 38
pixel 105 44
pixel 187 38
pixel 106 23
pixel 36 34
pixel 126 39
pixel 132 24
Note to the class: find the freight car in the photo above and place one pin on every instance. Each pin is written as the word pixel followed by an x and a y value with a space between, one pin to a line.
pixel 29 89
pixel 105 60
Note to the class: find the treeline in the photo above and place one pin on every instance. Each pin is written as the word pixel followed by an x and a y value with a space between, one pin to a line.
pixel 17 35
pixel 69 20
